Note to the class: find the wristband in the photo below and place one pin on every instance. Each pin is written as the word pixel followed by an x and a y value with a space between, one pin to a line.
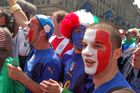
pixel 14 8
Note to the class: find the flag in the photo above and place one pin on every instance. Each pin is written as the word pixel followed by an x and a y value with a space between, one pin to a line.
pixel 7 85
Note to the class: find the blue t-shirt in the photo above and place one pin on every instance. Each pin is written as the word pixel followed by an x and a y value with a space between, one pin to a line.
pixel 117 81
pixel 43 65
pixel 75 78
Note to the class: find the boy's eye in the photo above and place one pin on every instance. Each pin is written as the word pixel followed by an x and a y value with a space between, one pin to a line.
pixel 84 44
pixel 77 30
pixel 100 47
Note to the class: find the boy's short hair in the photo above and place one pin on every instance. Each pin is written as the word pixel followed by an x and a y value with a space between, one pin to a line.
pixel 115 36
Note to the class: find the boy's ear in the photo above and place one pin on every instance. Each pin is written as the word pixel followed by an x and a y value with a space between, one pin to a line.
pixel 117 52
pixel 42 32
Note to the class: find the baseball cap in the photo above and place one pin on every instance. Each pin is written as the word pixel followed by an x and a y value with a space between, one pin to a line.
pixel 47 24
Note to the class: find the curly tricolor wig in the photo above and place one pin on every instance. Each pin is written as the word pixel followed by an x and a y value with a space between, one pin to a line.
pixel 75 19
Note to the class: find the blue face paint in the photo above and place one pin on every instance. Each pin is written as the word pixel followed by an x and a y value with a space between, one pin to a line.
pixel 77 36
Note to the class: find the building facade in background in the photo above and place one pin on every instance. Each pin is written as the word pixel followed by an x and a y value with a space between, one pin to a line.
pixel 121 12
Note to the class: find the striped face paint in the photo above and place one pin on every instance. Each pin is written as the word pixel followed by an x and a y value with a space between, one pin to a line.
pixel 30 34
pixel 77 36
pixel 30 30
pixel 97 51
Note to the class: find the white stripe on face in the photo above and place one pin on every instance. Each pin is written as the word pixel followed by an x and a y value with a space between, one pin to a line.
pixel 89 54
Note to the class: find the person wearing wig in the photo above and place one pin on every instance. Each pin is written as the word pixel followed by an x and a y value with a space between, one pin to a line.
pixel 102 48
pixel 75 79
pixel 42 62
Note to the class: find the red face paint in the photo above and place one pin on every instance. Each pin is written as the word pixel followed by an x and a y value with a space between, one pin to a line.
pixel 33 20
pixel 103 56
pixel 30 35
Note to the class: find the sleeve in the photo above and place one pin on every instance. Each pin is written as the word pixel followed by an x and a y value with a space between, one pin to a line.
pixel 120 89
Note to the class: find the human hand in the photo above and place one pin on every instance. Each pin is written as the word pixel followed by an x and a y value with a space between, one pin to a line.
pixel 15 73
pixel 50 86
pixel 11 2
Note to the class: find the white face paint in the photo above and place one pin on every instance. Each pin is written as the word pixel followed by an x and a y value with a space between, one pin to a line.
pixel 89 54
pixel 97 50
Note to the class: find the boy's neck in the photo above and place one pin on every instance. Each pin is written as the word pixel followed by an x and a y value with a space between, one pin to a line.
pixel 105 76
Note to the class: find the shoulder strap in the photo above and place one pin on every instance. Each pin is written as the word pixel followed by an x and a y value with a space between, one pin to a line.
pixel 119 88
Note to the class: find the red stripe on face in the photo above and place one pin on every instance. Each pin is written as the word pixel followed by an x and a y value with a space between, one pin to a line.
pixel 33 20
pixel 103 56
pixel 30 35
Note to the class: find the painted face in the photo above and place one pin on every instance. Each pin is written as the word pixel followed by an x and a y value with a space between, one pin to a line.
pixel 77 36
pixel 97 51
pixel 32 30
pixel 29 33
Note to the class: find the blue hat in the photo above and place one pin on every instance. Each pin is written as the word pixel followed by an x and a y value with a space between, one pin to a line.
pixel 47 24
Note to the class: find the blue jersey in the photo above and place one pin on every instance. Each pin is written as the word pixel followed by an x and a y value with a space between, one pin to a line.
pixel 75 78
pixel 43 65
pixel 117 81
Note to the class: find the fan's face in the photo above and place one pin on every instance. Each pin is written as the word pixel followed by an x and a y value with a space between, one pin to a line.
pixel 97 51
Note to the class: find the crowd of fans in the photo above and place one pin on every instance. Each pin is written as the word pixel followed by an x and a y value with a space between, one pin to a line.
pixel 72 52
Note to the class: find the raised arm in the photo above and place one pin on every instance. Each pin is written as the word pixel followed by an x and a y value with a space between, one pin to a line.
pixel 19 15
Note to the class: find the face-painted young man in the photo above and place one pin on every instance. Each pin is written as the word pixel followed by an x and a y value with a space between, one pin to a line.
pixel 77 36
pixel 33 31
pixel 97 51
pixel 42 56
pixel 101 50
